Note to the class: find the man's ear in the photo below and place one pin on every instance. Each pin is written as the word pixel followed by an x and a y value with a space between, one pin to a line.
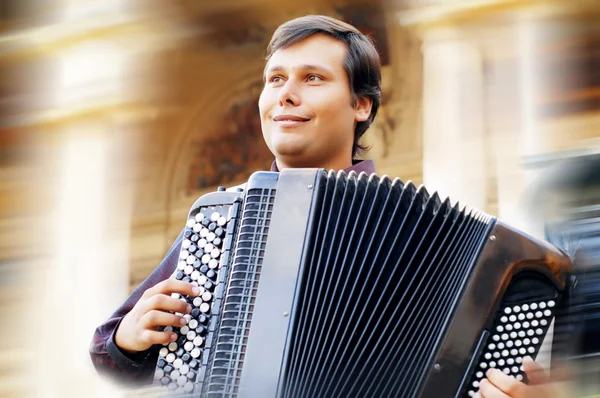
pixel 363 108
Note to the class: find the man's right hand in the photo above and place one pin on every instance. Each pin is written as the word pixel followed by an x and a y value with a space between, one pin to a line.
pixel 138 330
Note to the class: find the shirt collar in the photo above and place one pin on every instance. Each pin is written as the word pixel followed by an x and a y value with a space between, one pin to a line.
pixel 358 166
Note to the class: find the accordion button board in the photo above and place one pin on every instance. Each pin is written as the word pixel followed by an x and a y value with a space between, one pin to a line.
pixel 314 283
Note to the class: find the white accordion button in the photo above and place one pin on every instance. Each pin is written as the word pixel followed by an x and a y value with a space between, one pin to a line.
pixel 170 357
pixel 197 227
pixel 198 340
pixel 193 324
pixel 190 223
pixel 173 346
pixel 221 221
pixel 204 307
pixel 188 346
pixel 186 244
pixel 215 216
pixel 212 264
pixel 199 217
pixel 163 352
pixel 195 352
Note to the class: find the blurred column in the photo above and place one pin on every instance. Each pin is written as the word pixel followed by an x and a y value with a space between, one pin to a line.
pixel 86 276
pixel 453 128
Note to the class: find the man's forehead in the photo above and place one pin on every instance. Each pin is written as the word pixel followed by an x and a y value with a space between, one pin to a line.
pixel 314 52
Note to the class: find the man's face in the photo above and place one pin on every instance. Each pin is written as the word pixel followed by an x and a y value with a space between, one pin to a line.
pixel 306 107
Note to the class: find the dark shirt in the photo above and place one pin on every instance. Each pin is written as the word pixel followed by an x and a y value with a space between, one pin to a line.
pixel 138 368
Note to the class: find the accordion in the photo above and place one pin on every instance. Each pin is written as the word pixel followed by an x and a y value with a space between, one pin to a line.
pixel 317 284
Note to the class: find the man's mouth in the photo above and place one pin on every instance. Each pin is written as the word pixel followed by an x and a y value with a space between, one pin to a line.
pixel 290 118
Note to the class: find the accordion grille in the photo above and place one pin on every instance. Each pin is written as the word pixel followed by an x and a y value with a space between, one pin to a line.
pixel 230 347
pixel 386 268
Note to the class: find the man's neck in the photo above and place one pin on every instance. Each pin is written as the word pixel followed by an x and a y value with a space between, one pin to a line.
pixel 329 165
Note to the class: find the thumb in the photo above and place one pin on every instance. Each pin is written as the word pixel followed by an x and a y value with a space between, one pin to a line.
pixel 534 371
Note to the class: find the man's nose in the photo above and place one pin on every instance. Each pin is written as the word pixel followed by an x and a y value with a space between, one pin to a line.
pixel 288 95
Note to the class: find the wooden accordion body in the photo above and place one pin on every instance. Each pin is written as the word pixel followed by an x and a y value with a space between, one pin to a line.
pixel 336 285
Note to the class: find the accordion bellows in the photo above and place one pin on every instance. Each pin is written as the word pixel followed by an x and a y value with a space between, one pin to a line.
pixel 346 285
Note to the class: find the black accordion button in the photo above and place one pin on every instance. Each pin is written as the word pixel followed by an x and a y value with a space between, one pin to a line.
pixel 211 274
pixel 195 313
pixel 161 362
pixel 187 233
pixel 194 364
pixel 180 351
pixel 209 285
pixel 187 279
pixel 186 357
pixel 204 269
pixel 192 248
pixel 217 242
pixel 219 232
pixel 195 238
pixel 206 221
pixel 181 341
pixel 168 368
pixel 179 275
pixel 191 375
pixel 165 380
pixel 212 226
pixel 200 329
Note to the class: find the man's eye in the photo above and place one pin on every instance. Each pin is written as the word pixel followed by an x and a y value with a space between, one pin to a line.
pixel 275 79
pixel 314 78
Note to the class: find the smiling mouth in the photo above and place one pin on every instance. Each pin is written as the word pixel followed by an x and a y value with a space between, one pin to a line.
pixel 290 119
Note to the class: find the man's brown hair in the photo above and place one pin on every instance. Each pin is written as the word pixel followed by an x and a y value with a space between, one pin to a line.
pixel 362 63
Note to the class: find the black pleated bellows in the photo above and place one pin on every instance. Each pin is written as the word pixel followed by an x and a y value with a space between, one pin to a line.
pixel 386 266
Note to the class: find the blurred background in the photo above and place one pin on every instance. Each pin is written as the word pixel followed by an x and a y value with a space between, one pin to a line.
pixel 116 115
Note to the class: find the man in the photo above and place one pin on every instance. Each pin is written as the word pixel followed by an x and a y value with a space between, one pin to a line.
pixel 321 93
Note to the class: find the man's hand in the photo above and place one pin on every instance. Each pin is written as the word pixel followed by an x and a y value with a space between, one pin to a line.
pixel 138 329
pixel 500 385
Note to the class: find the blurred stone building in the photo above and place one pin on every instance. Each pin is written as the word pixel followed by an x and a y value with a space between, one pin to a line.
pixel 117 115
